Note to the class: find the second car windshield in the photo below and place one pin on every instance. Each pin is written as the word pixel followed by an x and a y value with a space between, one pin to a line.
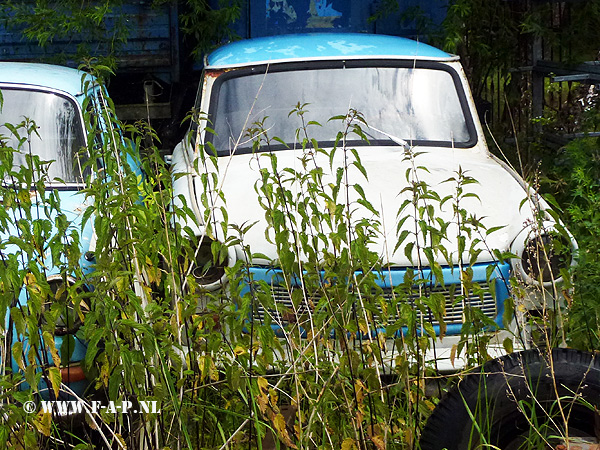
pixel 58 136
pixel 420 105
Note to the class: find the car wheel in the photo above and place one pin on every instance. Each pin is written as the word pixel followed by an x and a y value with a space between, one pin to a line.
pixel 531 399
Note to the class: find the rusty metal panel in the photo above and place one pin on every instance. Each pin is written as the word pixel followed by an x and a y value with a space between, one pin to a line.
pixel 272 17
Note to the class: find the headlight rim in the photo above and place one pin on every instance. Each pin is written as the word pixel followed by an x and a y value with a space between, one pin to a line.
pixel 77 323
pixel 215 282
pixel 520 245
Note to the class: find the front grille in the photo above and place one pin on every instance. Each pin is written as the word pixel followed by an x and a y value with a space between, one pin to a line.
pixel 284 312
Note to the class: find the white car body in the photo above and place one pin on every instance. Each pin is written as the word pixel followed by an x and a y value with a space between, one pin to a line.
pixel 502 198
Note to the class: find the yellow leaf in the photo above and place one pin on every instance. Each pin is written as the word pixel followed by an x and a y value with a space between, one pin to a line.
pixel 214 373
pixel 262 398
pixel 280 427
pixel 382 340
pixel 122 442
pixel 359 388
pixel 207 368
pixel 29 279
pixel 263 384
pixel 566 294
pixel 32 284
pixel 32 355
pixel 49 341
pixel 331 206
pixel 147 291
pixel 279 423
pixel 363 327
pixel 43 422
pixel 263 402
pixel 453 354
pixel 82 306
pixel 202 367
pixel 24 197
pixel 152 272
pixel 180 308
pixel 273 396
pixel 359 415
pixel 379 442
pixel 105 371
pixel 55 379
pixel 349 444
pixel 90 423
pixel 174 325
pixel 122 284
pixel 239 350
pixel 409 437
pixel 375 430
pixel 17 353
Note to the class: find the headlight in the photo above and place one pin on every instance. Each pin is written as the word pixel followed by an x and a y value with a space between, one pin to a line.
pixel 206 268
pixel 68 302
pixel 543 255
pixel 206 262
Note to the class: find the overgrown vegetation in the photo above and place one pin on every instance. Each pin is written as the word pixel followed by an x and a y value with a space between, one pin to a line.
pixel 342 366
pixel 494 40
pixel 576 181
pixel 569 173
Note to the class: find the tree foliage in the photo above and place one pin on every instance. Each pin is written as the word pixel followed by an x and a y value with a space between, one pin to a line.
pixel 100 29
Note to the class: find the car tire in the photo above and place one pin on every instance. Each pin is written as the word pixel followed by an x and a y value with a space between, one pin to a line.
pixel 512 402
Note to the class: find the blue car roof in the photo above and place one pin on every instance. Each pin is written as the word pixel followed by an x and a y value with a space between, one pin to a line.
pixel 304 47
pixel 60 78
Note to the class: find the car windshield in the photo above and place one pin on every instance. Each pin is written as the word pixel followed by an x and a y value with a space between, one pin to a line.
pixel 422 105
pixel 59 133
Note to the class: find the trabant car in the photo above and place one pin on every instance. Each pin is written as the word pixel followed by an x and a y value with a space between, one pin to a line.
pixel 417 126
pixel 44 144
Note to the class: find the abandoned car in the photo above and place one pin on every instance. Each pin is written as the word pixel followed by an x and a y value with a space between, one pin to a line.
pixel 406 147
pixel 46 253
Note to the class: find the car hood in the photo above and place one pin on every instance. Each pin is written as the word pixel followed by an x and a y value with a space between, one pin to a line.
pixel 499 200
pixel 72 205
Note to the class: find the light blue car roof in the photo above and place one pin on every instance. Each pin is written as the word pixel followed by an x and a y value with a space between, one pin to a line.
pixel 43 75
pixel 305 47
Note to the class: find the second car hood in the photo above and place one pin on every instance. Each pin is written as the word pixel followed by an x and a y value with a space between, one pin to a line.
pixel 72 205
pixel 499 200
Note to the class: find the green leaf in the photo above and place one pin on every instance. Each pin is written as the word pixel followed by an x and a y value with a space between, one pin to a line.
pixel 508 345
pixel 489 271
pixel 493 229
pixel 92 346
pixel 67 347
pixel 408 250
